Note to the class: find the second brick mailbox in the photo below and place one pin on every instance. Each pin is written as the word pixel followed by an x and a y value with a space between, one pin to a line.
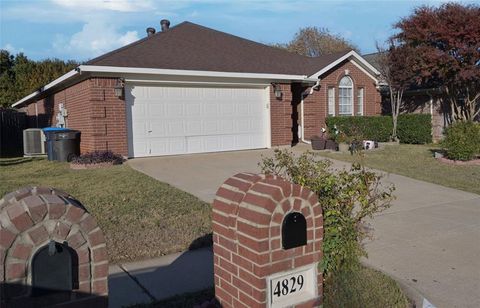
pixel 268 237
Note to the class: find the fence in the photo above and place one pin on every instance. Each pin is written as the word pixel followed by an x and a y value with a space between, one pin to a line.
pixel 12 124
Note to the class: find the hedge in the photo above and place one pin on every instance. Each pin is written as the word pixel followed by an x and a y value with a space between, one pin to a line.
pixel 411 128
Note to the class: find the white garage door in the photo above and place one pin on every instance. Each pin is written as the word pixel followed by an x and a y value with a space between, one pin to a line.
pixel 168 120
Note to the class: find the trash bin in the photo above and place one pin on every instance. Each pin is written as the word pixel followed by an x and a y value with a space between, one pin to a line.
pixel 62 144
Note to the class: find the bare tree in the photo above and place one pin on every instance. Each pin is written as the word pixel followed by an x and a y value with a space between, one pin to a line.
pixel 314 42
pixel 395 70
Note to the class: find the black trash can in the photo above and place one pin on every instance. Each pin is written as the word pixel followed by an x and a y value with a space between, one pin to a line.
pixel 62 144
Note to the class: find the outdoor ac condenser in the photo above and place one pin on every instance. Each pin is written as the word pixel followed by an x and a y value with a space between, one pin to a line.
pixel 33 142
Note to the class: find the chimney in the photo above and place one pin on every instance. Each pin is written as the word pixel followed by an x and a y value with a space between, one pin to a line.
pixel 150 31
pixel 165 24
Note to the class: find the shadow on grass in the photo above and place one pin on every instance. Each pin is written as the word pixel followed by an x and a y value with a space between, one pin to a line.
pixel 205 240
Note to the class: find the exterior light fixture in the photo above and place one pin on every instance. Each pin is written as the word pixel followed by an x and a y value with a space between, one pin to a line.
pixel 119 87
pixel 277 90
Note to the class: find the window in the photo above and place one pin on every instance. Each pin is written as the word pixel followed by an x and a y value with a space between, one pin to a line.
pixel 345 96
pixel 331 101
pixel 360 101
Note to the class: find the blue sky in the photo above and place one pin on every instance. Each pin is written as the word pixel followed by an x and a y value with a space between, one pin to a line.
pixel 83 29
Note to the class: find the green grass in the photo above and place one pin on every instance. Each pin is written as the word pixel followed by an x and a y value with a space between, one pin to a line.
pixel 416 161
pixel 362 288
pixel 140 217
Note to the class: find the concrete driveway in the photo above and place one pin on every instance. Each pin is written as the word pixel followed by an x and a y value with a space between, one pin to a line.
pixel 429 240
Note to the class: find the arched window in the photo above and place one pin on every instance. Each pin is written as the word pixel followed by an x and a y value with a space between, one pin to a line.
pixel 345 96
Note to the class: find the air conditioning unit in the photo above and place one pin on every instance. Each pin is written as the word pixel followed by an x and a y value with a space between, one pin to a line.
pixel 33 142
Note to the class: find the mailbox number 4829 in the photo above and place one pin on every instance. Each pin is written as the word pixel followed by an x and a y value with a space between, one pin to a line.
pixel 288 285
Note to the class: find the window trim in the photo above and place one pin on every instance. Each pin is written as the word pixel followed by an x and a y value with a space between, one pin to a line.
pixel 360 107
pixel 352 106
pixel 331 112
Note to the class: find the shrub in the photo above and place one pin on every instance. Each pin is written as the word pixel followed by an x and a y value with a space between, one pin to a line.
pixel 411 128
pixel 414 128
pixel 347 198
pixel 462 140
pixel 97 157
pixel 378 128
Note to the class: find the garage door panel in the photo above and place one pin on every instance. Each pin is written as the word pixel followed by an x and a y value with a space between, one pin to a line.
pixel 179 120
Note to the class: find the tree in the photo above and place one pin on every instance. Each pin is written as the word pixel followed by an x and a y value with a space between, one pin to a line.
pixel 445 51
pixel 314 42
pixel 396 70
pixel 20 76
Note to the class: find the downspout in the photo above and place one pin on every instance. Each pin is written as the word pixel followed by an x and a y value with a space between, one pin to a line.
pixel 302 118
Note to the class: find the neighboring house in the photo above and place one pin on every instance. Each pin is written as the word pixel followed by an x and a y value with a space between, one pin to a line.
pixel 191 89
pixel 418 100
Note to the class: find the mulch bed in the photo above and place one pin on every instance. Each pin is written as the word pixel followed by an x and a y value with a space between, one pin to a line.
pixel 91 166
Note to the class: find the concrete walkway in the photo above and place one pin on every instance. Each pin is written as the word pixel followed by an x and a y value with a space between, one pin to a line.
pixel 160 278
pixel 429 239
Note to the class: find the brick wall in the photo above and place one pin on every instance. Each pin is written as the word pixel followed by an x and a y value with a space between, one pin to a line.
pixel 316 104
pixel 281 116
pixel 247 217
pixel 92 109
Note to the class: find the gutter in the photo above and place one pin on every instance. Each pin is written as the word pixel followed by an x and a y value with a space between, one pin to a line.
pixel 302 117
pixel 114 71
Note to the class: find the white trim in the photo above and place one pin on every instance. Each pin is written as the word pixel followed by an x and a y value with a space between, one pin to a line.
pixel 302 116
pixel 60 79
pixel 328 101
pixel 193 83
pixel 352 54
pixel 172 72
pixel 268 117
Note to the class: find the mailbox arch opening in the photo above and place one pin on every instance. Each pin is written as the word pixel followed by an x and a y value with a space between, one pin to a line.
pixel 294 230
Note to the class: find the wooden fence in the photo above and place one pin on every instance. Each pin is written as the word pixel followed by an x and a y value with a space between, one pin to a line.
pixel 12 124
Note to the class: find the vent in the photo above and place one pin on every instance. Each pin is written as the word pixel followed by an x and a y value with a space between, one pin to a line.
pixel 33 142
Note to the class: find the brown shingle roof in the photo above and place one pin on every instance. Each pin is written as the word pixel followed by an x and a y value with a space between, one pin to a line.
pixel 188 46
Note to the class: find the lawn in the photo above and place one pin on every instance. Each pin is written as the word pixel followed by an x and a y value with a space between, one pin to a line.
pixel 416 161
pixel 362 288
pixel 141 217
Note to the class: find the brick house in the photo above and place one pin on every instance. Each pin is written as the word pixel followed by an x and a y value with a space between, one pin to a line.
pixel 191 89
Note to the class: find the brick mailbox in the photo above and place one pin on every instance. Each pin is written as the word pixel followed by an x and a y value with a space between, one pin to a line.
pixel 51 251
pixel 267 235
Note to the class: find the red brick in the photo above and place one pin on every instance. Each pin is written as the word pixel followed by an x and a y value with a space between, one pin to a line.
pixel 227 243
pixel 84 287
pixel 100 287
pixel 271 191
pixel 221 273
pixel 222 230
pixel 84 272
pixel 260 201
pixel 296 189
pixel 36 207
pixel 96 238
pixel 220 251
pixel 74 214
pixel 38 235
pixel 257 282
pixel 297 204
pixel 223 297
pixel 255 245
pixel 100 271
pixel 6 237
pixel 285 186
pixel 242 285
pixel 223 220
pixel 307 259
pixel 16 270
pixel 258 233
pixel 227 287
pixel 255 257
pixel 286 206
pixel 249 301
pixel 83 255
pixel 88 224
pixel 254 216
pixel 56 210
pixel 230 194
pixel 223 207
pixel 22 251
pixel 242 262
pixel 61 230
pixel 228 266
pixel 19 217
pixel 241 185
pixel 100 254
pixel 76 240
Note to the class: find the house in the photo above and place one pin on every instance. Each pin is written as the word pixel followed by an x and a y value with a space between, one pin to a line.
pixel 192 89
pixel 415 100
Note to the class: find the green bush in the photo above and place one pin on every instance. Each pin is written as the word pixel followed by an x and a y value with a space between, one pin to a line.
pixel 347 198
pixel 414 128
pixel 462 140
pixel 411 128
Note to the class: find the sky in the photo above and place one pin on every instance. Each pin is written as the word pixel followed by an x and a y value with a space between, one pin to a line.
pixel 83 29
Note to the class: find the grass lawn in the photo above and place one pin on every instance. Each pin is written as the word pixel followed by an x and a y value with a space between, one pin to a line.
pixel 362 288
pixel 416 161
pixel 140 217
